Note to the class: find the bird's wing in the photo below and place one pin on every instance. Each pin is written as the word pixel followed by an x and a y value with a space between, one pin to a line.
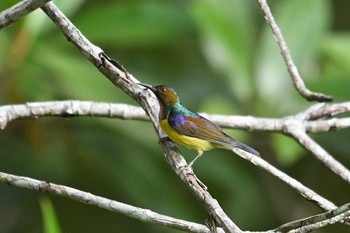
pixel 199 127
pixel 202 128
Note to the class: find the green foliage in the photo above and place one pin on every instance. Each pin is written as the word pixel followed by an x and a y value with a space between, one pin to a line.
pixel 139 23
pixel 51 224
pixel 220 56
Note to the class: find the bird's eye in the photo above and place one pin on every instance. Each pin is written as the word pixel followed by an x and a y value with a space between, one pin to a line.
pixel 164 89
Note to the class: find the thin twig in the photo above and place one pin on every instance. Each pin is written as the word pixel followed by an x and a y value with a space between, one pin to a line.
pixel 316 221
pixel 19 10
pixel 292 69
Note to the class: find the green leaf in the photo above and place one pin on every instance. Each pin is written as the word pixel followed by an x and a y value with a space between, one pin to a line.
pixel 50 221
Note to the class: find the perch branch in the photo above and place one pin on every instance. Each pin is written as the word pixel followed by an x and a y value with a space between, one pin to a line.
pixel 121 78
pixel 292 69
pixel 311 117
pixel 19 10
pixel 123 111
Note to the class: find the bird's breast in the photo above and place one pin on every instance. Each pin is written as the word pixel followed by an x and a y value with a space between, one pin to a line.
pixel 190 142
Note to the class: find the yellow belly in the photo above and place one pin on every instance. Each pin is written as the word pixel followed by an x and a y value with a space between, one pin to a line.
pixel 190 142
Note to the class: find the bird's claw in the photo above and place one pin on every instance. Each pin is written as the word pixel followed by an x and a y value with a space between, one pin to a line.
pixel 164 139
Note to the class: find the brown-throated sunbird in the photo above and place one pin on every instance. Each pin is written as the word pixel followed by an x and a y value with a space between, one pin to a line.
pixel 188 128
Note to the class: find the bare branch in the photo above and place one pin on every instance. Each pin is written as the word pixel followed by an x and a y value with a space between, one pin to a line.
pixel 299 187
pixel 115 74
pixel 293 70
pixel 298 132
pixel 19 10
pixel 69 108
pixel 316 221
pixel 294 126
pixel 143 215
pixel 148 216
pixel 319 111
pixel 120 77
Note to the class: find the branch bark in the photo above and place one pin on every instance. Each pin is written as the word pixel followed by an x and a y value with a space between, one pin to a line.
pixel 316 221
pixel 303 225
pixel 121 78
pixel 19 10
pixel 292 69
pixel 143 215
pixel 84 108
pixel 295 126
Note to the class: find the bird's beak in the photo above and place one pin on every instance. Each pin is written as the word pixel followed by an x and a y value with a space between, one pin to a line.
pixel 150 87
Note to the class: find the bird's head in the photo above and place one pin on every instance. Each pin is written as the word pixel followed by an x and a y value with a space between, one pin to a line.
pixel 164 94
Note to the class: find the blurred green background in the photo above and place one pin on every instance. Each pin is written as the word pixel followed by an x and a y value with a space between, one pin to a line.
pixel 221 58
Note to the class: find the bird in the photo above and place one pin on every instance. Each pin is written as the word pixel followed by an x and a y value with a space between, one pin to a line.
pixel 188 128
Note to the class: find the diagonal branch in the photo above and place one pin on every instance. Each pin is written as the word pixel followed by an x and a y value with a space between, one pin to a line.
pixel 299 134
pixel 299 187
pixel 120 77
pixel 341 213
pixel 292 69
pixel 143 215
pixel 19 10
pixel 317 221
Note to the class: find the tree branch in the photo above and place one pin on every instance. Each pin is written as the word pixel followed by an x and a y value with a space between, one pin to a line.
pixel 120 77
pixel 294 125
pixel 69 108
pixel 316 221
pixel 19 10
pixel 292 69
pixel 310 118
pixel 298 132
pixel 303 225
pixel 143 215
pixel 299 187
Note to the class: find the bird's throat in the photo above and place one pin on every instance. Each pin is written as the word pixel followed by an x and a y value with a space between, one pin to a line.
pixel 163 112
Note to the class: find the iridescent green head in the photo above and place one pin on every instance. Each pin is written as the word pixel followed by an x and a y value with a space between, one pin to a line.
pixel 164 94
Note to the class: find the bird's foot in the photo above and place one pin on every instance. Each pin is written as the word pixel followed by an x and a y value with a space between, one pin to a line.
pixel 211 223
pixel 164 139
pixel 188 171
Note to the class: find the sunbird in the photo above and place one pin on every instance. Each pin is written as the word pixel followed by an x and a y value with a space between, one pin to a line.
pixel 188 128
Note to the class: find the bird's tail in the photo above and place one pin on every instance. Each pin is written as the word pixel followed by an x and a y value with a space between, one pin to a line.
pixel 246 148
